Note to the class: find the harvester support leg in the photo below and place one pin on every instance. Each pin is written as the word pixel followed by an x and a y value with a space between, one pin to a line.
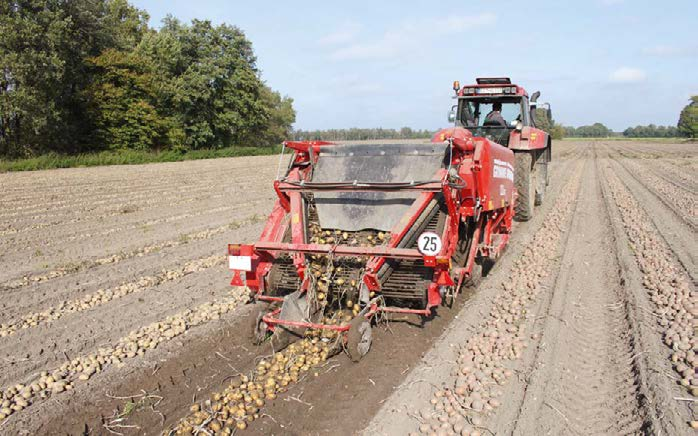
pixel 359 338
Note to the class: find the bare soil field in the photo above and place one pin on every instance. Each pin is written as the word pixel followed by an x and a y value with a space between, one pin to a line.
pixel 117 316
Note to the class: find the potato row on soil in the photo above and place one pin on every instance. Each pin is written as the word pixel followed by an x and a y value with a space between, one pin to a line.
pixel 117 316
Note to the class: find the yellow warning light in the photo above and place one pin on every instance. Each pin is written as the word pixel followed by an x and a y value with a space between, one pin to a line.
pixel 456 85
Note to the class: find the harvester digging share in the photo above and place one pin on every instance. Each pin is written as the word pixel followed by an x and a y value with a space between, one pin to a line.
pixel 363 230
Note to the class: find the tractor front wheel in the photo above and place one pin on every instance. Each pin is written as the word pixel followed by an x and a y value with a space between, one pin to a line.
pixel 524 178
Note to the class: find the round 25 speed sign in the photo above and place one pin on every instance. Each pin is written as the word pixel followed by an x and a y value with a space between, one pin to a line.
pixel 429 244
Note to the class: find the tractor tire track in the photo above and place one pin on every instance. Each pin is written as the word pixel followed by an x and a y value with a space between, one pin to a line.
pixel 670 297
pixel 584 378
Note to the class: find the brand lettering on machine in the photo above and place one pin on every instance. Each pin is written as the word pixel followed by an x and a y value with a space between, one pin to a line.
pixel 502 170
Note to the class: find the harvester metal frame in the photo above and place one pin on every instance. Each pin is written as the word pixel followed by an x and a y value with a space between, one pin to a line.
pixel 468 198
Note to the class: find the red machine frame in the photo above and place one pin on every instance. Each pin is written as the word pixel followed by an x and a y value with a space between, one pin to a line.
pixel 475 197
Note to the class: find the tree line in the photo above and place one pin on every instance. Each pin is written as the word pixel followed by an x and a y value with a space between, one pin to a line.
pixel 357 134
pixel 652 131
pixel 88 75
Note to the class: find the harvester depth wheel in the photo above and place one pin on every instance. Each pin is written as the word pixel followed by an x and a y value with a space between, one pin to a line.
pixel 524 178
pixel 475 276
pixel 258 328
pixel 359 338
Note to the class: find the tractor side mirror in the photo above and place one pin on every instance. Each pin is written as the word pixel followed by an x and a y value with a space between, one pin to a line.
pixel 452 115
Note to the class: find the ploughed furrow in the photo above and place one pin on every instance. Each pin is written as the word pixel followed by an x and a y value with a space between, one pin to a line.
pixel 103 296
pixel 76 204
pixel 52 382
pixel 38 222
pixel 484 362
pixel 683 176
pixel 680 201
pixel 50 217
pixel 96 232
pixel 669 288
pixel 27 189
pixel 84 265
pixel 584 379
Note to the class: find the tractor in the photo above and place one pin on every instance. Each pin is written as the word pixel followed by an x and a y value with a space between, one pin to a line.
pixel 517 128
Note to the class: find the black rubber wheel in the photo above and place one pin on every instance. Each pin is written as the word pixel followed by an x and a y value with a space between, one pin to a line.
pixel 523 180
pixel 259 331
pixel 359 338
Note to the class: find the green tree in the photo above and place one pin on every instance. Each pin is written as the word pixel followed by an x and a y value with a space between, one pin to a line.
pixel 596 130
pixel 280 117
pixel 688 119
pixel 543 121
pixel 125 102
pixel 212 86
pixel 44 45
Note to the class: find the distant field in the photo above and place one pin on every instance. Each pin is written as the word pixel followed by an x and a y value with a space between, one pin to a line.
pixel 623 138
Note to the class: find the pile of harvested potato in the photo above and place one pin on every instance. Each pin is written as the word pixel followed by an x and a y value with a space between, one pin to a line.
pixel 241 402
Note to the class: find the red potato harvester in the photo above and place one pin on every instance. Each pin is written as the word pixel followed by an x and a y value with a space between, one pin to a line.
pixel 375 228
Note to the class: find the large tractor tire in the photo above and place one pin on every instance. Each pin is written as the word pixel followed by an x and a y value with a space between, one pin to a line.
pixel 524 181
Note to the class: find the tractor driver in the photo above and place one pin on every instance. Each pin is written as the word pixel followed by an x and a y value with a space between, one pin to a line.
pixel 495 117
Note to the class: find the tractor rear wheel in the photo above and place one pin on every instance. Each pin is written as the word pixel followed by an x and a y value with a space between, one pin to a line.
pixel 524 178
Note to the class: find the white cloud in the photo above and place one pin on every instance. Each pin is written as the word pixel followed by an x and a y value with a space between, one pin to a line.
pixel 627 75
pixel 670 51
pixel 404 39
pixel 343 35
pixel 354 85
pixel 460 23
pixel 389 45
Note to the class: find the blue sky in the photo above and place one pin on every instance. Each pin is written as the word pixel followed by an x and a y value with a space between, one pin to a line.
pixel 392 63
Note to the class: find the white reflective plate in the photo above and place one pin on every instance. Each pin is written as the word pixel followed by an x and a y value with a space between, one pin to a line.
pixel 242 263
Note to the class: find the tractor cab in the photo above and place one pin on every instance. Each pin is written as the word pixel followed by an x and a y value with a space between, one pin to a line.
pixel 475 102
pixel 496 109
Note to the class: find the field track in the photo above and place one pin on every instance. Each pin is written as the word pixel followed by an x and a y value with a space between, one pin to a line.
pixel 117 314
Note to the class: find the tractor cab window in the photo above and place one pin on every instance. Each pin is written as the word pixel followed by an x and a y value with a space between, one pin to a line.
pixel 472 112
